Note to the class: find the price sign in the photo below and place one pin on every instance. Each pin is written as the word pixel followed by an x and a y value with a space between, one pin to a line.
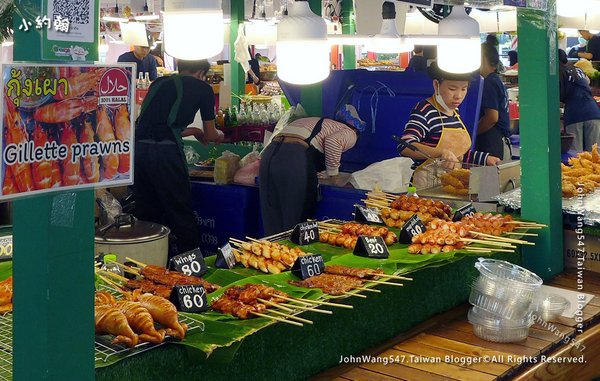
pixel 412 227
pixel 190 263
pixel 308 265
pixel 6 248
pixel 464 211
pixel 189 298
pixel 372 247
pixel 306 233
pixel 364 214
pixel 225 258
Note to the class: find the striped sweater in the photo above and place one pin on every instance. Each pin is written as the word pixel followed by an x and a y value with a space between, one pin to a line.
pixel 425 126
pixel 334 139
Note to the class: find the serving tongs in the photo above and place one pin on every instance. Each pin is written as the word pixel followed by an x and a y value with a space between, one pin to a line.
pixel 405 144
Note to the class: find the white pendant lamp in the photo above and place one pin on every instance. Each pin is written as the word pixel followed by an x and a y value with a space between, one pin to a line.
pixel 460 49
pixel 302 46
pixel 388 40
pixel 193 30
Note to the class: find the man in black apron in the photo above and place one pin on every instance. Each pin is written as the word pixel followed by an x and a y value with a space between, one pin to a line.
pixel 162 188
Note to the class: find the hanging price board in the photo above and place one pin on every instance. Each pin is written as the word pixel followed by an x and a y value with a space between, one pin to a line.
pixel 308 265
pixel 364 214
pixel 305 233
pixel 412 227
pixel 372 247
pixel 464 211
pixel 225 258
pixel 190 263
pixel 189 298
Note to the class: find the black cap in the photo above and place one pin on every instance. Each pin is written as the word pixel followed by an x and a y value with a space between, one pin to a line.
pixel 436 73
pixel 388 10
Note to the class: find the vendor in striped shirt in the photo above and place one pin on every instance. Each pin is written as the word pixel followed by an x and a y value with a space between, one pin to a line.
pixel 290 163
pixel 437 130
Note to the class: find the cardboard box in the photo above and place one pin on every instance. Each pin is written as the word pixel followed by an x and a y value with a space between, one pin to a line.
pixel 581 246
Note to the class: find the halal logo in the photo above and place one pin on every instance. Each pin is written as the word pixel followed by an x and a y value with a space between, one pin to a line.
pixel 114 87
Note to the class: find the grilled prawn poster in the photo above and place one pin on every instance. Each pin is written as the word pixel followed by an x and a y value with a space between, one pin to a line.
pixel 66 127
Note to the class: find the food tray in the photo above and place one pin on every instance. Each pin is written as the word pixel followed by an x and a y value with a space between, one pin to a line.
pixel 550 306
pixel 492 328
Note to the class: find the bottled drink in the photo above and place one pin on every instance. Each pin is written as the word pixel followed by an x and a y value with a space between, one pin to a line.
pixel 146 80
pixel 412 192
pixel 226 118
pixel 220 119
pixel 242 116
pixel 140 81
pixel 110 264
pixel 233 115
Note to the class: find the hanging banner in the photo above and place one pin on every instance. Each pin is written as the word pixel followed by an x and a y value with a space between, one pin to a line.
pixel 70 30
pixel 66 127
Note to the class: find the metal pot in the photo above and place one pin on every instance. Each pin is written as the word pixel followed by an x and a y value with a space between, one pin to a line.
pixel 144 241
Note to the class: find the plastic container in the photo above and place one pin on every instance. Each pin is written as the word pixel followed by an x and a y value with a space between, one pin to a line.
pixel 550 306
pixel 508 309
pixel 412 192
pixel 491 327
pixel 496 276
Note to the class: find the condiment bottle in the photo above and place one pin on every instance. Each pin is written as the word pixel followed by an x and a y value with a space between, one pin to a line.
pixel 111 265
pixel 412 192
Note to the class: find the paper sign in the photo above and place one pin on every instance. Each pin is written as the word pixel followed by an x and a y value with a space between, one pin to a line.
pixel 66 127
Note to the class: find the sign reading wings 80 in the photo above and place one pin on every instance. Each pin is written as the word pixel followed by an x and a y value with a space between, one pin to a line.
pixel 65 127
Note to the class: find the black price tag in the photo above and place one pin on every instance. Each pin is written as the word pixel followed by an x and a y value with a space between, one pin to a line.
pixel 225 258
pixel 364 214
pixel 306 233
pixel 189 298
pixel 464 211
pixel 190 263
pixel 412 227
pixel 308 265
pixel 372 247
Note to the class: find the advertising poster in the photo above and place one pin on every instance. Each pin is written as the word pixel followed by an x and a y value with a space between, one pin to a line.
pixel 70 30
pixel 66 127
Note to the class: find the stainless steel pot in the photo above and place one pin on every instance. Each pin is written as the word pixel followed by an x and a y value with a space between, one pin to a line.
pixel 144 241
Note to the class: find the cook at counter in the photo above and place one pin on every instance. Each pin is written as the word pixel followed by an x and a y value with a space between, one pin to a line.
pixel 288 169
pixel 435 127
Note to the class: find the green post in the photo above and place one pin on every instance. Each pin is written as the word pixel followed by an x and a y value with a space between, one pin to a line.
pixel 311 96
pixel 238 77
pixel 540 136
pixel 349 27
pixel 53 235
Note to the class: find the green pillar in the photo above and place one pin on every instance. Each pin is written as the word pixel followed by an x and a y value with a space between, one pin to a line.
pixel 311 96
pixel 238 77
pixel 349 27
pixel 53 235
pixel 540 136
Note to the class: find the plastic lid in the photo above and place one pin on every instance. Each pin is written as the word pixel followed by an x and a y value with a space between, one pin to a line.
pixel 110 258
pixel 128 230
pixel 505 271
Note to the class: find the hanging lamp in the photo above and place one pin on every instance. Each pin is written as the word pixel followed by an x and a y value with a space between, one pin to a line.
pixel 302 46
pixel 388 40
pixel 193 31
pixel 459 49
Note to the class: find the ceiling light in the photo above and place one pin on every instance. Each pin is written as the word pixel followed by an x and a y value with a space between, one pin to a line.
pixel 460 52
pixel 185 20
pixel 388 40
pixel 571 8
pixel 134 33
pixel 146 17
pixel 302 46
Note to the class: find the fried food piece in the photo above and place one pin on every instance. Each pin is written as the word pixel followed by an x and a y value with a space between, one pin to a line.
pixel 453 190
pixel 110 320
pixel 448 179
pixel 595 154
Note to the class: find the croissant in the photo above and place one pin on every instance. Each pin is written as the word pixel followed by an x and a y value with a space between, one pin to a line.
pixel 141 321
pixel 110 320
pixel 102 298
pixel 163 312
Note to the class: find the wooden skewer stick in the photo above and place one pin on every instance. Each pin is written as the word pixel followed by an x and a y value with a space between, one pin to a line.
pixel 489 249
pixel 489 243
pixel 292 317
pixel 391 276
pixel 524 223
pixel 253 239
pixel 369 290
pixel 387 283
pixel 478 251
pixel 382 203
pixel 502 239
pixel 529 227
pixel 523 234
pixel 112 275
pixel 313 302
pixel 313 309
pixel 273 304
pixel 354 294
pixel 111 283
pixel 239 241
pixel 130 270
pixel 136 262
pixel 278 319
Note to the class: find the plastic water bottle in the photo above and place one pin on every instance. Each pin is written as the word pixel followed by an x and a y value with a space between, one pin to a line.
pixel 412 192
pixel 111 265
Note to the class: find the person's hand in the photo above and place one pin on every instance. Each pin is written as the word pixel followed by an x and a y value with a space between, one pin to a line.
pixel 159 61
pixel 199 135
pixel 492 160
pixel 220 137
pixel 449 160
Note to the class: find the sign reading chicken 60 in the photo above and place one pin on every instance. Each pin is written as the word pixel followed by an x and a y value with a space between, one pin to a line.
pixel 65 127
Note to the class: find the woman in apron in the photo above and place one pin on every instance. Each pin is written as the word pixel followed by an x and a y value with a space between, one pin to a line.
pixel 290 163
pixel 162 188
pixel 437 130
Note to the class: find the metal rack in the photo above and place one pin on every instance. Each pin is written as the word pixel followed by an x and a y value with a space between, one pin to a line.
pixel 6 345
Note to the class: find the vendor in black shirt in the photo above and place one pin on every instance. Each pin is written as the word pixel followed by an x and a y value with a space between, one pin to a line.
pixel 145 62
pixel 592 51
pixel 162 188
pixel 493 127
pixel 418 62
